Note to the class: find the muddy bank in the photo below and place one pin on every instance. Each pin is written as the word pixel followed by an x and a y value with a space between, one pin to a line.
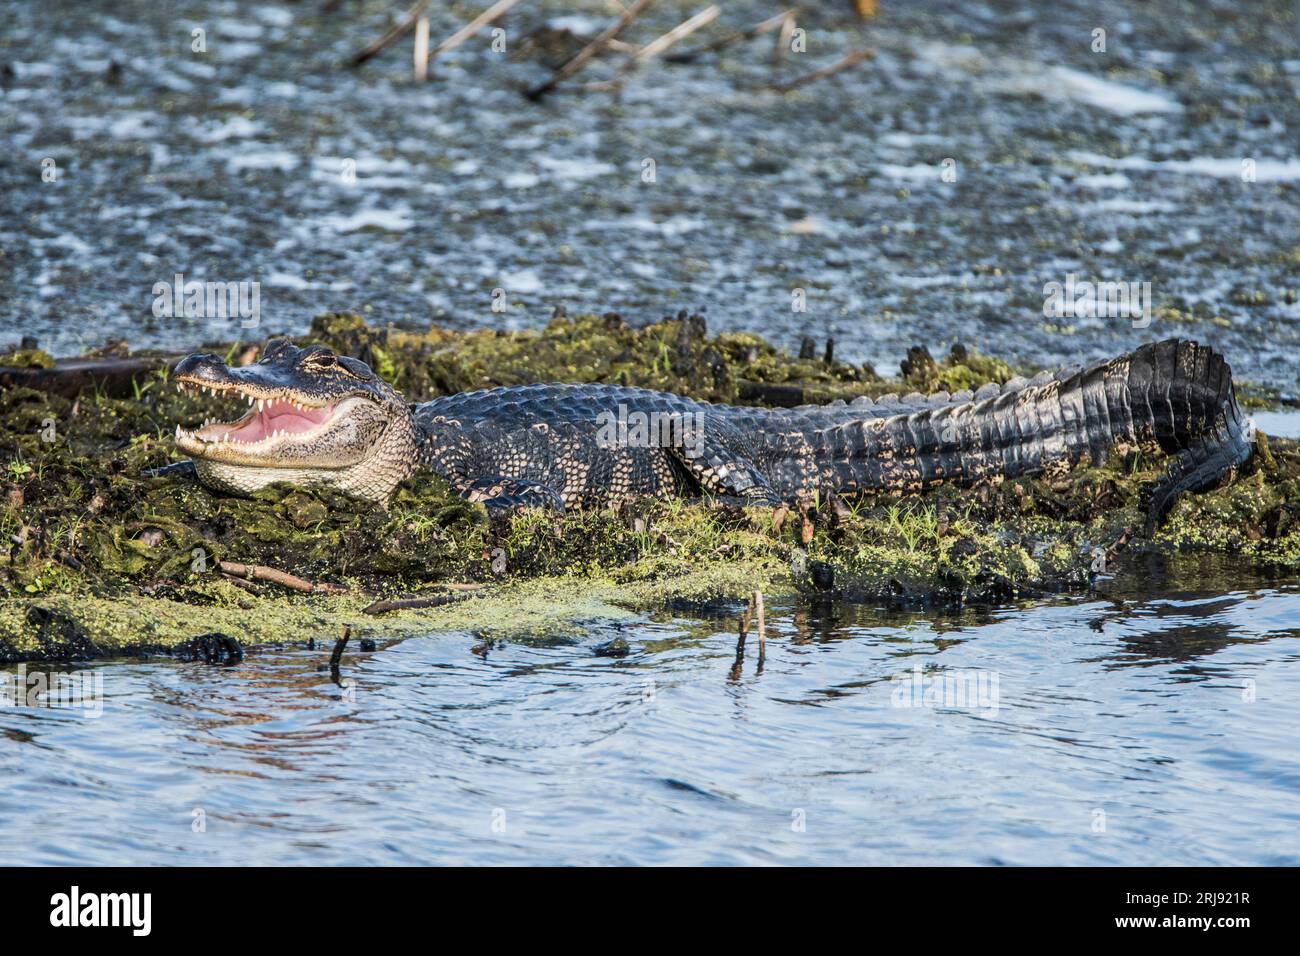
pixel 101 560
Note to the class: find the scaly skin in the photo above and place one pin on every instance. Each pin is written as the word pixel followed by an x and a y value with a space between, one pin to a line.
pixel 561 446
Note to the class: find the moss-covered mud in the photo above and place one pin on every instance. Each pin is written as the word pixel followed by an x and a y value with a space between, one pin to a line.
pixel 103 561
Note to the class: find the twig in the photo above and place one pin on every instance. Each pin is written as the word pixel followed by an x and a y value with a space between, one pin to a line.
pixel 259 572
pixel 679 32
pixel 580 59
pixel 736 36
pixel 404 604
pixel 620 46
pixel 762 628
pixel 783 40
pixel 655 47
pixel 852 59
pixel 392 35
pixel 248 586
pixel 493 12
pixel 421 54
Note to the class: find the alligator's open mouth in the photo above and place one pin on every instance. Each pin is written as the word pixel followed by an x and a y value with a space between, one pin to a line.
pixel 272 418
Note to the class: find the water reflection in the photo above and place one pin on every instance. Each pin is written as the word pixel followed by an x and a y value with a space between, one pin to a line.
pixel 1157 712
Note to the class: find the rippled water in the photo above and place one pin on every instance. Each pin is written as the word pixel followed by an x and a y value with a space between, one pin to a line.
pixel 1111 729
pixel 229 166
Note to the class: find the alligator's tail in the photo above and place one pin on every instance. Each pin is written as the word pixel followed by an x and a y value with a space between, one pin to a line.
pixel 1174 395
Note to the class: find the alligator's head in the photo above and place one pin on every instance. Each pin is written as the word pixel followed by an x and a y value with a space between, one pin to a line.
pixel 313 418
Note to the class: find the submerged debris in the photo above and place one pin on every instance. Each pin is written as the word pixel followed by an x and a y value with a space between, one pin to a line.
pixel 100 559
pixel 212 648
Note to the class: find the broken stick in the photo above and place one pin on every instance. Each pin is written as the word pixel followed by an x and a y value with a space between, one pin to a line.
pixel 656 47
pixel 406 604
pixel 493 12
pixel 421 54
pixel 392 35
pixel 679 32
pixel 259 572
pixel 581 58
pixel 736 36
pixel 783 40
pixel 852 59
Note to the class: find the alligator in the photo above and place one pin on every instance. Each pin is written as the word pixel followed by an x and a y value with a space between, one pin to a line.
pixel 315 417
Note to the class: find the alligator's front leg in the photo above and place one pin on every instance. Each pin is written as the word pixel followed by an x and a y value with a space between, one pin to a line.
pixel 175 469
pixel 503 496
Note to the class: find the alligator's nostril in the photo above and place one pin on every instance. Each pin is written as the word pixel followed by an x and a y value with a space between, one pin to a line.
pixel 200 365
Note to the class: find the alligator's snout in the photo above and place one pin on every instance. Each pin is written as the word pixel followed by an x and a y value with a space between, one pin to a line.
pixel 200 368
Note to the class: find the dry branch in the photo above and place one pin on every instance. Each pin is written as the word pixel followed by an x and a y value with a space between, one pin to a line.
pixel 656 47
pixel 736 36
pixel 248 586
pixel 392 35
pixel 852 59
pixel 679 32
pixel 421 54
pixel 783 40
pixel 493 12
pixel 259 572
pixel 581 58
pixel 406 604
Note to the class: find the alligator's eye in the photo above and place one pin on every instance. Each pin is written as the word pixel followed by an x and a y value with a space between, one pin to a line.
pixel 321 360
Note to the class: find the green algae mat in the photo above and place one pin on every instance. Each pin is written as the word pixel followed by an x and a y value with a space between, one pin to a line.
pixel 104 561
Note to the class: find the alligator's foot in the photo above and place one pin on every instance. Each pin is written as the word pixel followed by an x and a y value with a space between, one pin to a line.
pixel 177 469
pixel 504 496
